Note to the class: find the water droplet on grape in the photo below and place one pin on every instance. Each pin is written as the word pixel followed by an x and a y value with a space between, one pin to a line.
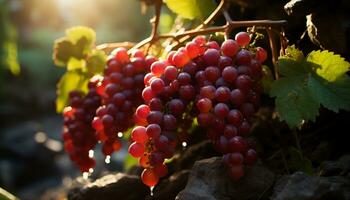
pixel 108 159
pixel 151 189
pixel 91 153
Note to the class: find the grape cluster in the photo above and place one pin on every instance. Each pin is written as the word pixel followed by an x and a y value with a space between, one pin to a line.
pixel 78 135
pixel 120 89
pixel 217 85
pixel 229 95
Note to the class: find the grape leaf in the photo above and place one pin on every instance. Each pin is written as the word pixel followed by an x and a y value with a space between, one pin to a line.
pixel 294 102
pixel 77 43
pixel 307 83
pixel 76 33
pixel 76 64
pixel 71 80
pixel 330 84
pixel 191 9
pixel 96 62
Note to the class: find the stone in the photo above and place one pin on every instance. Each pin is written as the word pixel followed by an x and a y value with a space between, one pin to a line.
pixel 110 187
pixel 340 167
pixel 209 180
pixel 302 186
pixel 170 187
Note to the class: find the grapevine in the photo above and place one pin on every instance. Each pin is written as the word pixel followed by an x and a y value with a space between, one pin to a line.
pixel 216 86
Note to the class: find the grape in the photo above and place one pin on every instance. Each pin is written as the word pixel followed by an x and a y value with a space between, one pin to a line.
pixel 136 149
pixel 250 157
pixel 221 110
pixel 229 74
pixel 237 144
pixel 243 57
pixel 244 83
pixel 149 177
pixel 121 55
pixel 260 54
pixel 153 130
pixel 193 49
pixel 155 117
pixel 230 48
pixel 157 68
pixel 208 92
pixel 204 105
pixel 142 111
pixel 212 73
pixel 180 59
pixel 184 78
pixel 222 94
pixel 242 39
pixel 234 117
pixel 139 134
pixel 157 85
pixel 211 57
pixel 170 73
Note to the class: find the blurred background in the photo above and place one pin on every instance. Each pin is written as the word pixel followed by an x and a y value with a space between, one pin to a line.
pixel 32 162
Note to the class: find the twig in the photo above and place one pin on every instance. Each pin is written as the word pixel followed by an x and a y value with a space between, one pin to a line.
pixel 273 51
pixel 111 46
pixel 228 20
pixel 211 18
pixel 230 25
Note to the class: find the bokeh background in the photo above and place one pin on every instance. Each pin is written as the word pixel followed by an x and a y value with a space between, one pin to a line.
pixel 32 162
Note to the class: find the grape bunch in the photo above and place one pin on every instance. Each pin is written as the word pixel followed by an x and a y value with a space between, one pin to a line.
pixel 217 85
pixel 120 89
pixel 229 95
pixel 78 135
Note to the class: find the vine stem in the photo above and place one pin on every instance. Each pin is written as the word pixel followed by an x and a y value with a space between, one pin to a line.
pixel 273 51
pixel 111 46
pixel 229 25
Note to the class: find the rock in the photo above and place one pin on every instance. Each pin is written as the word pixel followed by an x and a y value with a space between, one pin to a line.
pixel 336 168
pixel 209 180
pixel 110 187
pixel 170 187
pixel 304 187
pixel 193 153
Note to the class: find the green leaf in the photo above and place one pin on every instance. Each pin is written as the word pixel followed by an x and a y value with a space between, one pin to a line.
pixel 76 33
pixel 191 9
pixel 329 83
pixel 71 80
pixel 294 102
pixel 328 65
pixel 298 162
pixel 76 64
pixel 294 53
pixel 307 83
pixel 96 62
pixel 129 162
pixel 78 43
